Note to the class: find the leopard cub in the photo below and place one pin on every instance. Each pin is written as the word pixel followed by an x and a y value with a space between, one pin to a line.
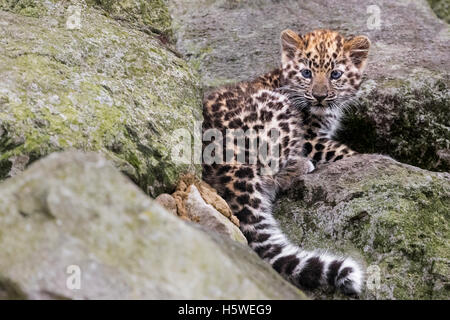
pixel 302 102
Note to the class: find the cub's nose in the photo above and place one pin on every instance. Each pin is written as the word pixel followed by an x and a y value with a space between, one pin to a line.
pixel 319 96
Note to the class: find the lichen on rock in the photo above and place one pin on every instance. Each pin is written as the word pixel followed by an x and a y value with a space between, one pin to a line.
pixel 408 119
pixel 145 13
pixel 198 202
pixel 441 8
pixel 392 217
pixel 106 87
pixel 29 8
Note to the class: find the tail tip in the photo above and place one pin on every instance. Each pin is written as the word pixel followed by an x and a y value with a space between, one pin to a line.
pixel 350 278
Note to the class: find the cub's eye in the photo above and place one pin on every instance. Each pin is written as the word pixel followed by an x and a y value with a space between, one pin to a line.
pixel 306 73
pixel 336 74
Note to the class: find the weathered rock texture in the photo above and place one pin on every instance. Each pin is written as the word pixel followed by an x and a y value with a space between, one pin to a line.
pixel 74 209
pixel 198 202
pixel 393 217
pixel 113 86
pixel 207 216
pixel 149 15
pixel 404 108
pixel 208 193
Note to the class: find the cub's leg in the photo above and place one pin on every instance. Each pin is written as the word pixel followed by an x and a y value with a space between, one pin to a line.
pixel 323 150
pixel 292 170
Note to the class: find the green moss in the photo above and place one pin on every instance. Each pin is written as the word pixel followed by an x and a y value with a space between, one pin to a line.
pixel 113 89
pixel 200 54
pixel 29 8
pixel 391 216
pixel 441 8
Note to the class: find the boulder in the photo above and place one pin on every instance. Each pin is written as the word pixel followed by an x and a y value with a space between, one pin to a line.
pixel 207 216
pixel 404 105
pixel 394 218
pixel 195 200
pixel 93 76
pixel 73 227
pixel 148 15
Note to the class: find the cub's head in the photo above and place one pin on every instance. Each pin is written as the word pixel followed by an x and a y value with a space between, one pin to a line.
pixel 322 70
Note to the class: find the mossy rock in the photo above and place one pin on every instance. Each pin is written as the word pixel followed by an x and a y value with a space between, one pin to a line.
pixel 106 86
pixel 29 8
pixel 152 14
pixel 412 124
pixel 392 217
pixel 73 227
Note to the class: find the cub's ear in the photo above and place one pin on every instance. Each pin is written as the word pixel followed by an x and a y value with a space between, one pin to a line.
pixel 290 43
pixel 358 49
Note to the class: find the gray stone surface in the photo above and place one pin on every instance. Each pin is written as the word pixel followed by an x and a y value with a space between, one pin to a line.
pixel 207 216
pixel 393 217
pixel 74 210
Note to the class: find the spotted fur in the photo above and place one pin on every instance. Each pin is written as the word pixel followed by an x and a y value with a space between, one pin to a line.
pixel 305 112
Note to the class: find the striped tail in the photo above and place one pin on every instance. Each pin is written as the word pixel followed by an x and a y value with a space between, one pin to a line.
pixel 305 269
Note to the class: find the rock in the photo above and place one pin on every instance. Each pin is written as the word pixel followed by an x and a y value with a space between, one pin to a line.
pixel 207 216
pixel 411 123
pixel 104 84
pixel 73 214
pixel 403 108
pixel 167 202
pixel 188 203
pixel 208 193
pixel 393 217
pixel 198 202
